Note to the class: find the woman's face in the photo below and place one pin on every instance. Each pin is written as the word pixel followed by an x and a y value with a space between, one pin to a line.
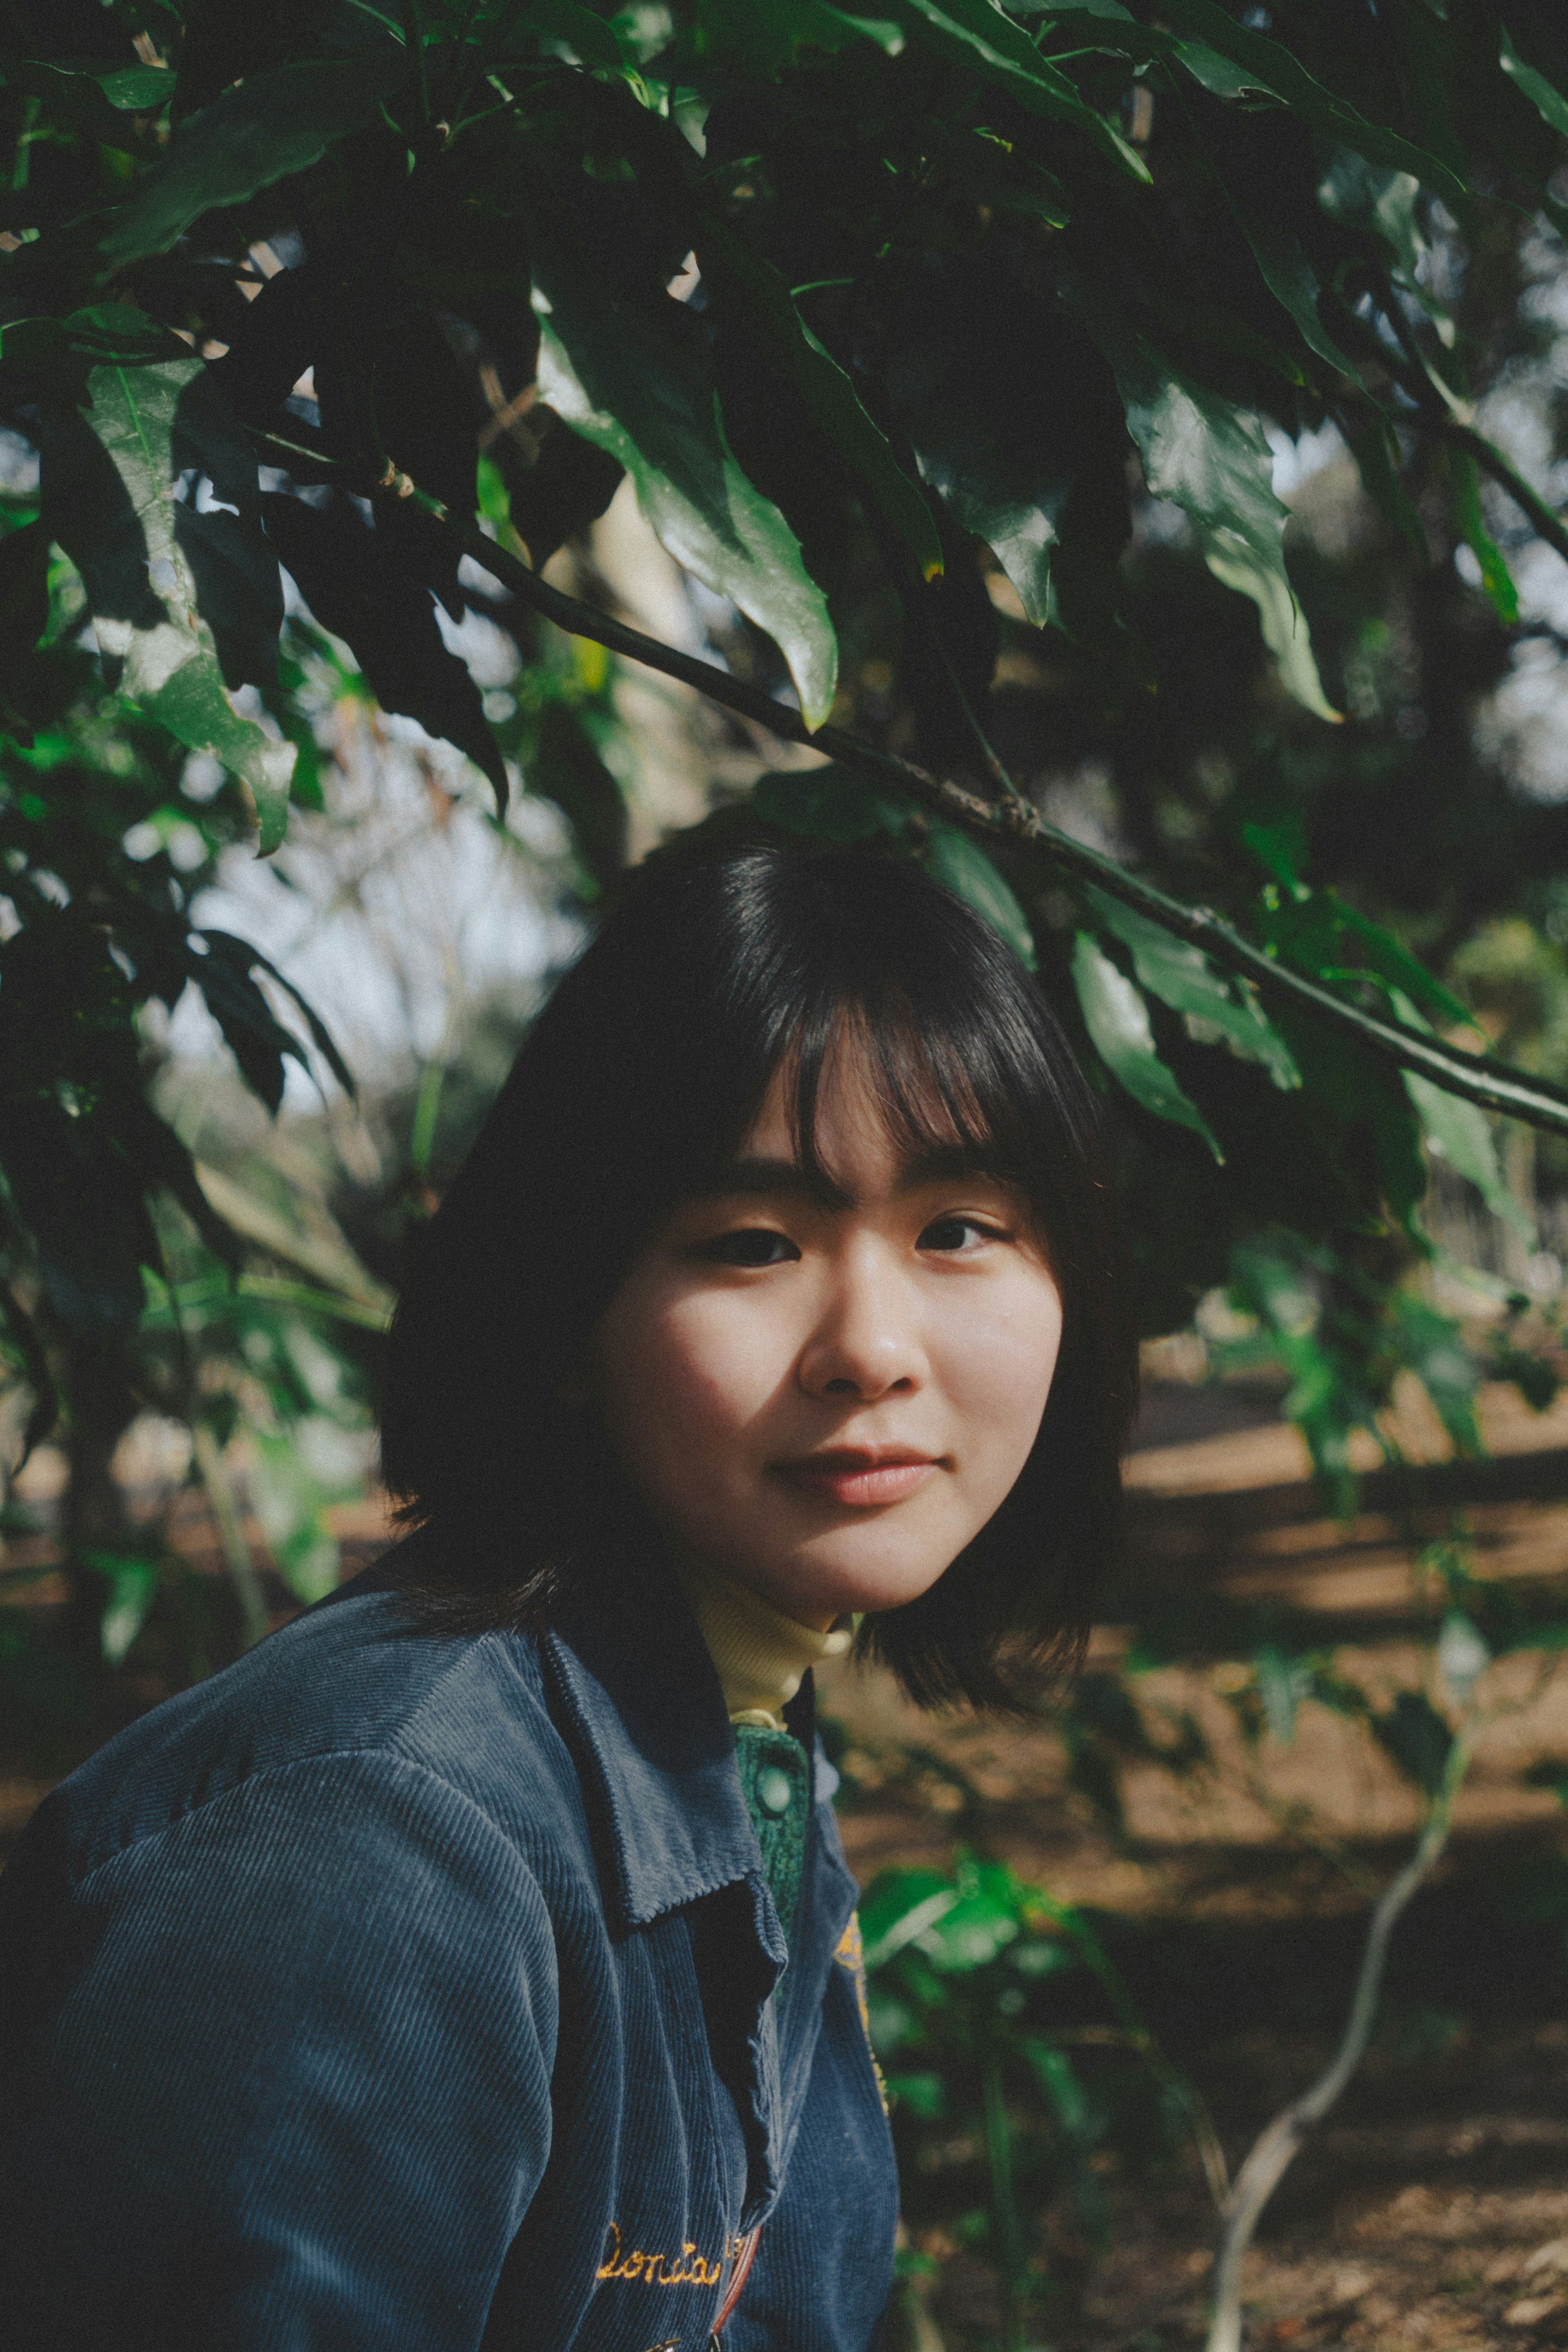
pixel 826 1401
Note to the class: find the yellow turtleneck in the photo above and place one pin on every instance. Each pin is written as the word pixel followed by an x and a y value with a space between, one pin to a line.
pixel 761 1655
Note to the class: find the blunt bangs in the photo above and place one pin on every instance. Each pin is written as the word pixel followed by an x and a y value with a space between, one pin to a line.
pixel 719 969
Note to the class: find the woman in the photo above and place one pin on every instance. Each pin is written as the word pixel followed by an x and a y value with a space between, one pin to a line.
pixel 474 1962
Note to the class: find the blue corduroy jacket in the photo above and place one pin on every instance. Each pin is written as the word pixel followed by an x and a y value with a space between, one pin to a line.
pixel 403 1989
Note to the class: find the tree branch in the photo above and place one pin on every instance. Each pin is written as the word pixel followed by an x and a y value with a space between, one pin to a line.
pixel 1496 1086
pixel 1491 460
pixel 1276 2144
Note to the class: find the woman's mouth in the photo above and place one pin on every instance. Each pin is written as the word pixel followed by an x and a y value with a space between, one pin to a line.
pixel 862 1478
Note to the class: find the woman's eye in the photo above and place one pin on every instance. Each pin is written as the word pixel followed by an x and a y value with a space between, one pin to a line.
pixel 958 1235
pixel 753 1246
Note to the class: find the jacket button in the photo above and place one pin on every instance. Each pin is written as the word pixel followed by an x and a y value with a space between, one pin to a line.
pixel 773 1791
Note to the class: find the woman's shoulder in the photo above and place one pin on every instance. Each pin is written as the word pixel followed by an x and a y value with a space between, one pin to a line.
pixel 356 1690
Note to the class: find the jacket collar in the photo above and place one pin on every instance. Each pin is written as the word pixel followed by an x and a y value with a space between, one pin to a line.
pixel 636 1683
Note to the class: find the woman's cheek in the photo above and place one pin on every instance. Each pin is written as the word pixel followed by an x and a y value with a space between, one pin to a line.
pixel 1002 1359
pixel 709 1375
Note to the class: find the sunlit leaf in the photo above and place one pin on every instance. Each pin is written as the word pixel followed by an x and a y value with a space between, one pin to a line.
pixel 1459 1133
pixel 1212 459
pixel 133 1582
pixel 1182 976
pixel 1117 1020
pixel 636 386
pixel 1282 1683
pixel 1496 581
pixel 1462 1655
pixel 384 613
pixel 108 485
pixel 1381 200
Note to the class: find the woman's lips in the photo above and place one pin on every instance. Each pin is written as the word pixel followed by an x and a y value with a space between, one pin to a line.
pixel 862 1481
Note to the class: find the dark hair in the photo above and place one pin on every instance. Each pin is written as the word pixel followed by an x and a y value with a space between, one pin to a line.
pixel 640 1077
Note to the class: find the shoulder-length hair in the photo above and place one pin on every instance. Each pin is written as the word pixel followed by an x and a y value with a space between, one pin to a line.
pixel 719 968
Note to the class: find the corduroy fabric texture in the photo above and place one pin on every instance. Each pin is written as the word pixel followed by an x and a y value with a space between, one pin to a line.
pixel 400 1992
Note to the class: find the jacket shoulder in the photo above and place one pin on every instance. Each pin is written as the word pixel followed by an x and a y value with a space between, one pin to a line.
pixel 356 1677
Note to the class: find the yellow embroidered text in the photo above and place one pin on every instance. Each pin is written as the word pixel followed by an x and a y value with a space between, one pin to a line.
pixel 655 2269
pixel 851 1955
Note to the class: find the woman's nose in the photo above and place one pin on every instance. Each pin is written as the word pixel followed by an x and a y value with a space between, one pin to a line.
pixel 865 1343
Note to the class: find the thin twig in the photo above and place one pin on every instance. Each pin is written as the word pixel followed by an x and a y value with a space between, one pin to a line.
pixel 1273 2150
pixel 1496 1086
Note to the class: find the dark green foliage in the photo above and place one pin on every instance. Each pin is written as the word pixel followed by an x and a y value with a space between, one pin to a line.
pixel 1017 2066
pixel 312 287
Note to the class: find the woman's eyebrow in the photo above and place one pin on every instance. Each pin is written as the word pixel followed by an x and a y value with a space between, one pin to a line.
pixel 754 1175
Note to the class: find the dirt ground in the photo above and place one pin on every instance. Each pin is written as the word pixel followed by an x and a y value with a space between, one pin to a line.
pixel 1431 2209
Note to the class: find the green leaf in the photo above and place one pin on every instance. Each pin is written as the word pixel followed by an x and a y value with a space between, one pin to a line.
pixel 1379 203
pixel 630 384
pixel 142 89
pixel 757 294
pixel 977 35
pixel 978 1927
pixel 1292 281
pixel 1496 580
pixel 103 334
pixel 290 1503
pixel 1007 416
pixel 924 2095
pixel 267 126
pixel 1417 1739
pixel 763 37
pixel 1433 1345
pixel 1282 1683
pixel 1279 842
pixel 1058 2078
pixel 1212 459
pixel 828 804
pixel 1117 1019
pixel 1182 976
pixel 1545 97
pixel 592 40
pixel 963 866
pixel 109 484
pixel 79 102
pixel 1463 1655
pixel 132 1588
pixel 1458 1132
pixel 1324 934
pixel 1268 66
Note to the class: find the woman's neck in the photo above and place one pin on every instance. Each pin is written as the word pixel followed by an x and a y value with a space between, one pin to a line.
pixel 762 1655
